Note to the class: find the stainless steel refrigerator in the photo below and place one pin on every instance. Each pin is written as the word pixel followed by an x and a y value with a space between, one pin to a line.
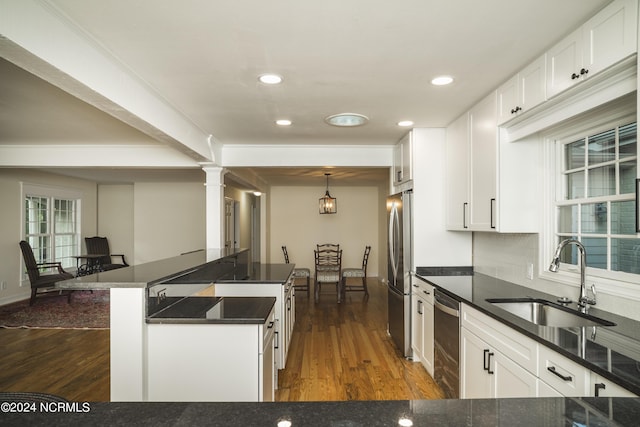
pixel 398 271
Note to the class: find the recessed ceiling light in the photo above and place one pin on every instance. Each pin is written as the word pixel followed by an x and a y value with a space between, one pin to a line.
pixel 347 119
pixel 405 123
pixel 270 79
pixel 283 122
pixel 442 80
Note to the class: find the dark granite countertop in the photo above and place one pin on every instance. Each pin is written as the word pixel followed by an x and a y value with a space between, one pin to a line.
pixel 610 351
pixel 262 273
pixel 141 275
pixel 214 310
pixel 455 413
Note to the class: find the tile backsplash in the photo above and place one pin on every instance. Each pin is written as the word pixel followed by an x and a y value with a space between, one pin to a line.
pixel 507 256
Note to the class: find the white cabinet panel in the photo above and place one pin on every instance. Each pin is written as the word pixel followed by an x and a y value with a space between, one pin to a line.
pixel 487 373
pixel 475 383
pixel 284 315
pixel 605 39
pixel 483 142
pixel 523 91
pixel 602 387
pixel 457 173
pixel 402 160
pixel 562 374
pixel 422 323
pixel 519 348
pixel 610 36
pixel 564 61
pixel 196 363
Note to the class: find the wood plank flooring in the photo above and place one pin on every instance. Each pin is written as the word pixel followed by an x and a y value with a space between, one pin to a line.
pixel 342 352
pixel 338 352
pixel 73 364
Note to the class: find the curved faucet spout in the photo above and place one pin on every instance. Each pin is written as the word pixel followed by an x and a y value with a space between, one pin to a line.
pixel 555 264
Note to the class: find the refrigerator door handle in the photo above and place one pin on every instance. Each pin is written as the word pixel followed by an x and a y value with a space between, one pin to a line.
pixel 392 241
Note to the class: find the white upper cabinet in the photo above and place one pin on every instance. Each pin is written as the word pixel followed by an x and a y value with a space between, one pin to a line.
pixel 402 160
pixel 483 143
pixel 491 183
pixel 457 173
pixel 523 91
pixel 605 39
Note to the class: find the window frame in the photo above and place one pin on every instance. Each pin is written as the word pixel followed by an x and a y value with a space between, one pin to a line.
pixel 52 194
pixel 616 283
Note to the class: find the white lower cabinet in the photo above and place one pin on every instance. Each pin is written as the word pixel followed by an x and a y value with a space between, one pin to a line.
pixel 284 309
pixel 487 373
pixel 422 324
pixel 211 362
pixel 564 375
pixel 602 387
pixel 497 361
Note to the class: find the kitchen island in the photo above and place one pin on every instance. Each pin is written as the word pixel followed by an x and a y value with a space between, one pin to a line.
pixel 148 298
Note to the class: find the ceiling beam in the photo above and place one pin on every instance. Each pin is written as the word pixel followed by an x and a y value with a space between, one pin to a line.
pixel 37 38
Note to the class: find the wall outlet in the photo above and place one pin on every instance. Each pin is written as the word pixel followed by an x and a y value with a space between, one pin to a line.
pixel 530 271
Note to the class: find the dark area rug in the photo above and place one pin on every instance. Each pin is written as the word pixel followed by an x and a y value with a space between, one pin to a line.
pixel 86 311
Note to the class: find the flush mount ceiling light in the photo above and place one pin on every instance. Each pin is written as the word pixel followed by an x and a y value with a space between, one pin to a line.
pixel 347 119
pixel 270 79
pixel 328 204
pixel 283 122
pixel 405 123
pixel 442 80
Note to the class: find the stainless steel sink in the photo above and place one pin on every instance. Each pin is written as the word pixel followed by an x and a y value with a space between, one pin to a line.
pixel 546 313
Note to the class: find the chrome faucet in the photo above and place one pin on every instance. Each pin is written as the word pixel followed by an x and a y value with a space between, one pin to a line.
pixel 555 264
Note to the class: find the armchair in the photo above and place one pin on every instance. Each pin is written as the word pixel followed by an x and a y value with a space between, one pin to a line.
pixel 41 281
pixel 100 246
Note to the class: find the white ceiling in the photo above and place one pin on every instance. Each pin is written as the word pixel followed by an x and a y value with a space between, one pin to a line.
pixel 374 57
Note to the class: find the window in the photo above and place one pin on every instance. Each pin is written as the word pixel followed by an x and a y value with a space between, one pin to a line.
pixel 596 201
pixel 51 225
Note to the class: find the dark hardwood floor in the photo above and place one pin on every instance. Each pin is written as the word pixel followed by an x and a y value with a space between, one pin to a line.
pixel 338 352
pixel 73 364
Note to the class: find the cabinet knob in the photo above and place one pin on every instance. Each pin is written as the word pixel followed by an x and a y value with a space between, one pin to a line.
pixel 515 110
pixel 575 76
pixel 584 71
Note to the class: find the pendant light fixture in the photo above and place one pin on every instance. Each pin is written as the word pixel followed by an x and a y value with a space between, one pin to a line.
pixel 328 204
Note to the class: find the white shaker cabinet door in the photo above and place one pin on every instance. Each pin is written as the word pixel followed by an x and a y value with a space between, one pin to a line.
pixel 563 63
pixel 457 174
pixel 610 36
pixel 484 162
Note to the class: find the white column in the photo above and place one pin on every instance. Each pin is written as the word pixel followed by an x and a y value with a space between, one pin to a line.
pixel 214 205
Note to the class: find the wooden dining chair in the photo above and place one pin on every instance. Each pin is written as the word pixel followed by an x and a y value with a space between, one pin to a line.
pixel 350 273
pixel 299 273
pixel 39 280
pixel 328 265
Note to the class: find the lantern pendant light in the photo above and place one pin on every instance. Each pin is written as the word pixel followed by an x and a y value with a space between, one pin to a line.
pixel 328 204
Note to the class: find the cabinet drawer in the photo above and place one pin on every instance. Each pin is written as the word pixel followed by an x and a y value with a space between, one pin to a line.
pixel 423 289
pixel 563 374
pixel 517 347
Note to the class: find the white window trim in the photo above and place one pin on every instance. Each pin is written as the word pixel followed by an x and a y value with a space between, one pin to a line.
pixel 28 189
pixel 619 284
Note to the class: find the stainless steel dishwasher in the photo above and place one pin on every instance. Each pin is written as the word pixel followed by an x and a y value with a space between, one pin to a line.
pixel 446 325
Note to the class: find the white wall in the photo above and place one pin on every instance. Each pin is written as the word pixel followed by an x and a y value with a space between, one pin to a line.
pixel 11 231
pixel 296 223
pixel 115 218
pixel 169 219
